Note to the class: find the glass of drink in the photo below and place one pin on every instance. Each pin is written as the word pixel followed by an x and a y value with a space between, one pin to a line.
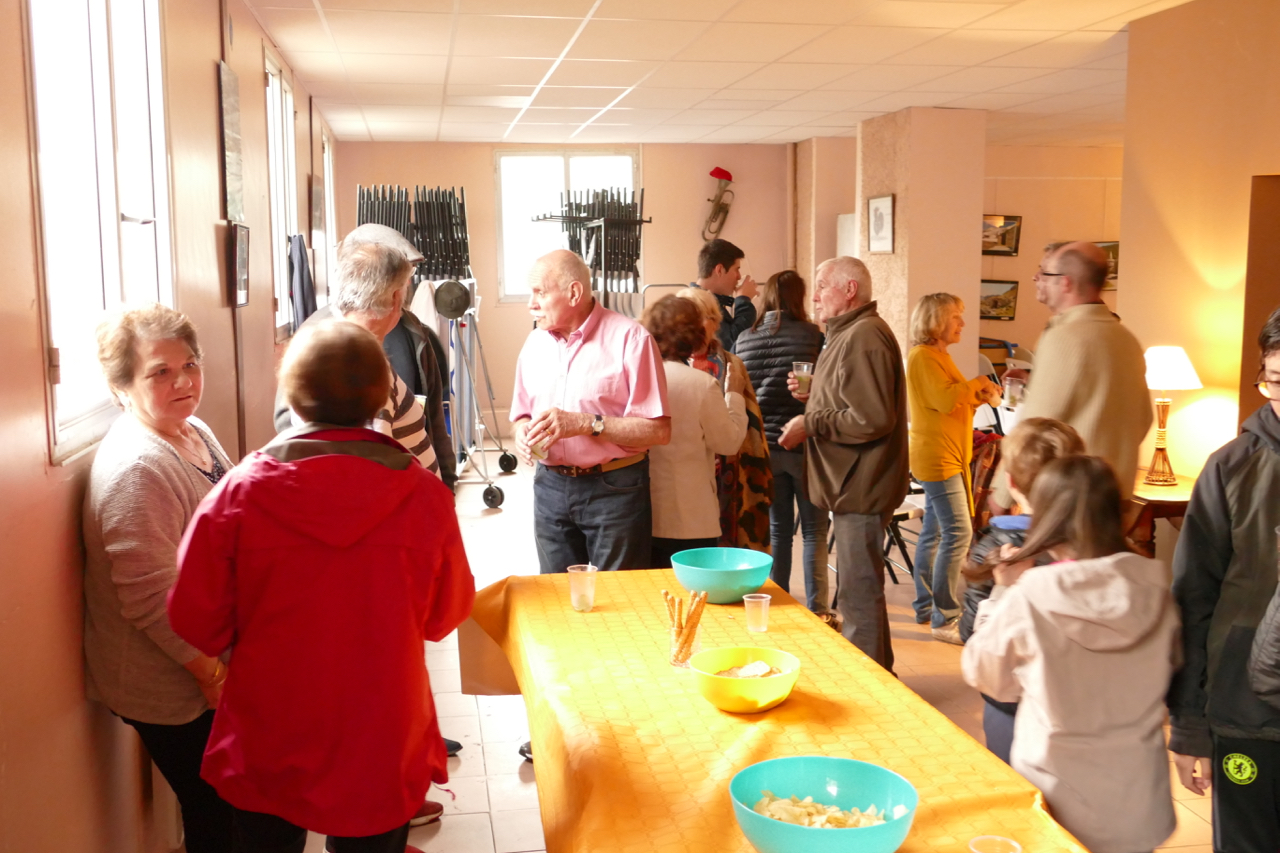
pixel 804 374
pixel 582 587
pixel 539 450
pixel 1013 389
pixel 757 605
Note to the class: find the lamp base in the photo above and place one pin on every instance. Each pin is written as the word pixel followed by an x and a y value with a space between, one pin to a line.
pixel 1160 472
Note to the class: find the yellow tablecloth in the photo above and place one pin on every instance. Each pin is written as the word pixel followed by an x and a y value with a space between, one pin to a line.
pixel 630 757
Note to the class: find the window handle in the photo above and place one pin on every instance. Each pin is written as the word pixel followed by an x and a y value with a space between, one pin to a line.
pixel 124 217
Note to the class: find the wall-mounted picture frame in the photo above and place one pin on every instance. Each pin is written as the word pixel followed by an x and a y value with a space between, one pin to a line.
pixel 1112 248
pixel 880 225
pixel 239 264
pixel 998 300
pixel 1001 234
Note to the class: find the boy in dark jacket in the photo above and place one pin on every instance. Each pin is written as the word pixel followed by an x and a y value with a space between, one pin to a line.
pixel 1224 574
pixel 1033 444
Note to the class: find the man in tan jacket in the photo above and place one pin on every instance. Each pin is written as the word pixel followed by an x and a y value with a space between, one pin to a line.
pixel 1089 370
pixel 854 432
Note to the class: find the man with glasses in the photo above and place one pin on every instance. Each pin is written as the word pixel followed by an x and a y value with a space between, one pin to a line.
pixel 1225 701
pixel 1089 369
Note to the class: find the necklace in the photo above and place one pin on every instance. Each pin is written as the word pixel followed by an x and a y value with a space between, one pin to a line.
pixel 188 445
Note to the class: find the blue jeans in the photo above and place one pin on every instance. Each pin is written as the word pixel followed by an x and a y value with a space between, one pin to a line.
pixel 945 535
pixel 603 519
pixel 788 489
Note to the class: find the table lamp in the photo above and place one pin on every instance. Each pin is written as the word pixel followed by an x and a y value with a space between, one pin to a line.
pixel 1168 369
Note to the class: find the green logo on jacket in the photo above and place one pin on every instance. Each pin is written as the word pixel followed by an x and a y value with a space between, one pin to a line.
pixel 1240 768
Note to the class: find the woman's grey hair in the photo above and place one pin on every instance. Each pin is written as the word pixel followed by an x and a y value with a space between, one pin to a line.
pixel 369 275
pixel 930 317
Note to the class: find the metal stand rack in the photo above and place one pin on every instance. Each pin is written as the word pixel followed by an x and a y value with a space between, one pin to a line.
pixel 604 229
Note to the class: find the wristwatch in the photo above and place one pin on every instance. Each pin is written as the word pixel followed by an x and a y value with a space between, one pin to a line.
pixel 597 426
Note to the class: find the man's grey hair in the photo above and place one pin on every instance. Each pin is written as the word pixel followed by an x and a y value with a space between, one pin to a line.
pixel 372 232
pixel 562 268
pixel 845 268
pixel 369 275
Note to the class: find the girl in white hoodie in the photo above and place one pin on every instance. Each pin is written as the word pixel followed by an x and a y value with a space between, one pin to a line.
pixel 1086 646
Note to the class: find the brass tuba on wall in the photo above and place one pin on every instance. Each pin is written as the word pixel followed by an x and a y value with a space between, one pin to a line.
pixel 719 204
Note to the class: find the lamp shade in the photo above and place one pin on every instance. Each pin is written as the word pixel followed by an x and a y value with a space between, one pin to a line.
pixel 1169 369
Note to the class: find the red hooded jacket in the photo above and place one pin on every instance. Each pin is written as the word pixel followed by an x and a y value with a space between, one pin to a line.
pixel 324 561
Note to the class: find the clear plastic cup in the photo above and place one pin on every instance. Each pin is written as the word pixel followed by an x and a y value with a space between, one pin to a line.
pixel 757 605
pixel 994 844
pixel 1013 389
pixel 804 374
pixel 582 587
pixel 694 647
pixel 539 450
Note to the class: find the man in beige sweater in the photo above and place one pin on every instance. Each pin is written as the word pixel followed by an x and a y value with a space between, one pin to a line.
pixel 854 431
pixel 1089 370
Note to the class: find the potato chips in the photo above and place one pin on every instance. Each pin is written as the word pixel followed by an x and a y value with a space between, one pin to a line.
pixel 808 813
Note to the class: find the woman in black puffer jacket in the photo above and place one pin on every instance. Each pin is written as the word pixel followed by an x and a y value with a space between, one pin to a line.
pixel 781 336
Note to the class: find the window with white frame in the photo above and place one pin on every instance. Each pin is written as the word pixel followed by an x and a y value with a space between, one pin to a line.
pixel 102 188
pixel 531 184
pixel 282 168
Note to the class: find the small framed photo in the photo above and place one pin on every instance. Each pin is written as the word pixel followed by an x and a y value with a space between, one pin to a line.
pixel 239 264
pixel 1001 234
pixel 1112 249
pixel 880 225
pixel 999 300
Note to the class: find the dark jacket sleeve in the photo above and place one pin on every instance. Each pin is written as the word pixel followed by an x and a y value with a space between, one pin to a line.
pixel 744 315
pixel 1200 563
pixel 434 384
pixel 1264 661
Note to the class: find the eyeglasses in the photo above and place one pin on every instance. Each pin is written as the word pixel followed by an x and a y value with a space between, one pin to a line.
pixel 1270 390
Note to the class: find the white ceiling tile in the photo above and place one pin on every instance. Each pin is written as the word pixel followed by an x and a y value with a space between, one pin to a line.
pixel 659 98
pixel 633 39
pixel 440 6
pixel 317 67
pixel 712 118
pixel 398 93
pixel 376 114
pixel 664 10
pixel 1115 62
pixel 702 75
pixel 991 101
pixel 493 35
pixel 637 116
pixel 286 4
pixel 895 101
pixel 557 115
pixel 782 118
pixel 891 78
pixel 971 47
pixel 540 132
pixel 864 45
pixel 479 114
pixel 793 75
pixel 736 133
pixel 350 133
pixel 403 131
pixel 549 8
pixel 1119 22
pixel 380 68
pixel 798 11
pixel 1115 87
pixel 1068 103
pixel 476 69
pixel 296 29
pixel 847 119
pixel 803 132
pixel 718 103
pixel 515 101
pixel 1057 15
pixel 471 131
pixel 391 32
pixel 340 113
pixel 1066 51
pixel 1070 80
pixel 980 79
pixel 576 96
pixel 915 13
pixel 674 133
pixel 608 133
pixel 767 42
pixel 600 72
pixel 488 90
pixel 824 99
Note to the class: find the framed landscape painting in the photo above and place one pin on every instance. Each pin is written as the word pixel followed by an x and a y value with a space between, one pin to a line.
pixel 1113 263
pixel 1001 234
pixel 999 300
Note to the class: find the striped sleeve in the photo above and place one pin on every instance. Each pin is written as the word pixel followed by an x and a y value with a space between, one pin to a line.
pixel 404 420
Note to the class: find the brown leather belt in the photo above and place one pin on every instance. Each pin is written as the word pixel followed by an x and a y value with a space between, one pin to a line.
pixel 612 465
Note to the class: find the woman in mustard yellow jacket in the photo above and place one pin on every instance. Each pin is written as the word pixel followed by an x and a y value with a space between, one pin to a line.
pixel 941 403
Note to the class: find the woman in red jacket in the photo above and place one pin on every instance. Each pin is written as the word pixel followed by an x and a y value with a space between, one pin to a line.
pixel 322 563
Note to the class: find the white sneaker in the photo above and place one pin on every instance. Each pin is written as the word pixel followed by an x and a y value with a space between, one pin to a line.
pixel 949 633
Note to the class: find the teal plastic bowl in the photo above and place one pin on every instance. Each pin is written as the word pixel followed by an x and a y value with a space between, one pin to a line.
pixel 724 574
pixel 841 782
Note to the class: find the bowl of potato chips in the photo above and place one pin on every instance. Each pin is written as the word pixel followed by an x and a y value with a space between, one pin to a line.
pixel 821 804
pixel 745 679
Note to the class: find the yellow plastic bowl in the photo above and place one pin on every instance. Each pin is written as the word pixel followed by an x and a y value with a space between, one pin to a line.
pixel 744 695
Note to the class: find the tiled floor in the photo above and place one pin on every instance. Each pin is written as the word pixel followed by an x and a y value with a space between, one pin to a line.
pixel 491 805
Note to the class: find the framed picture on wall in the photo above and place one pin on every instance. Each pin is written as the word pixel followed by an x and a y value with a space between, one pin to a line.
pixel 239 264
pixel 1001 234
pixel 999 300
pixel 1112 249
pixel 880 225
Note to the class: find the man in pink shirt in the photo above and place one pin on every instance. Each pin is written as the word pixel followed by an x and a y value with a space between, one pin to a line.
pixel 590 400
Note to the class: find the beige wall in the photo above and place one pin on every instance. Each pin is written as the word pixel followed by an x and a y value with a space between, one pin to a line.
pixel 1202 118
pixel 1061 194
pixel 826 175
pixel 71 777
pixel 677 186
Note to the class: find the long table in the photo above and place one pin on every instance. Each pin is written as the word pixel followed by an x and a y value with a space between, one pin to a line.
pixel 630 757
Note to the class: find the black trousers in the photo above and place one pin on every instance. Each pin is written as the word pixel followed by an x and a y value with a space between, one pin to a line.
pixel 178 751
pixel 265 833
pixel 1246 795
pixel 664 548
